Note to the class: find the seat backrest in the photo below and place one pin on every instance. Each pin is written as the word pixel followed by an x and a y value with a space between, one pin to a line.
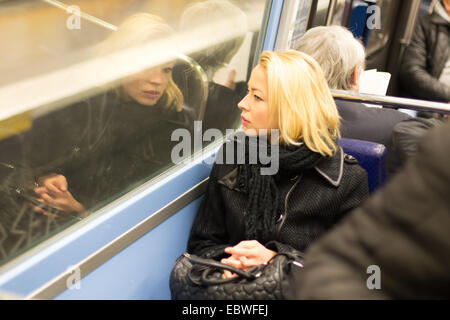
pixel 370 156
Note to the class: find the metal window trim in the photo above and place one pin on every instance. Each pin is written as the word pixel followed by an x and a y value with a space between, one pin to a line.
pixel 272 25
pixel 330 12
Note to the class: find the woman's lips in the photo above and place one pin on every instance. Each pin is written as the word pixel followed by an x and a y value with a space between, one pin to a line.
pixel 152 94
pixel 244 121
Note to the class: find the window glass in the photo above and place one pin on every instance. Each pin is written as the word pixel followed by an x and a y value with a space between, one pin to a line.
pixel 97 96
pixel 370 20
pixel 379 35
pixel 320 15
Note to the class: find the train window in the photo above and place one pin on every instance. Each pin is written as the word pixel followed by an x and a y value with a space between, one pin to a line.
pixel 332 9
pixel 379 34
pixel 95 95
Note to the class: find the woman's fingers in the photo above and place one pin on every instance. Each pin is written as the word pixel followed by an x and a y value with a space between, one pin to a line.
pixel 236 251
pixel 230 80
pixel 250 253
pixel 60 183
pixel 232 261
pixel 55 183
pixel 52 186
pixel 49 200
pixel 40 190
pixel 44 190
pixel 228 274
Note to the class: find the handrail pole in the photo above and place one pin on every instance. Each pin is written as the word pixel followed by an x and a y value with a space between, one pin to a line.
pixel 397 102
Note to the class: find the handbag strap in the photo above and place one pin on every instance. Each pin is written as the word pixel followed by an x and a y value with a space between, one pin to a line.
pixel 218 265
pixel 208 281
pixel 297 257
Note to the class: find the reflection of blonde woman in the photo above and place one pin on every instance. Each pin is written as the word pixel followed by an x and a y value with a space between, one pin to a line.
pixel 246 217
pixel 128 128
pixel 148 86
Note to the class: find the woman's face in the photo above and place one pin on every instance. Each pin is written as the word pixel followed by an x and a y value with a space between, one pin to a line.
pixel 148 86
pixel 255 105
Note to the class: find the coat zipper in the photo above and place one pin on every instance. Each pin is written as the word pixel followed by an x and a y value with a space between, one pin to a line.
pixel 282 218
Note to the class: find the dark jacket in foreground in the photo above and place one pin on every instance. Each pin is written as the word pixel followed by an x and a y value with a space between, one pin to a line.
pixel 404 230
pixel 318 199
pixel 425 58
pixel 407 134
pixel 372 124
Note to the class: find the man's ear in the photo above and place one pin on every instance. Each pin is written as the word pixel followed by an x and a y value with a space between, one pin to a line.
pixel 354 80
pixel 446 4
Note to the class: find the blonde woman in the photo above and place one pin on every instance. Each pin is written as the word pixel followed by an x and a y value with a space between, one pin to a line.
pixel 122 136
pixel 246 217
pixel 149 86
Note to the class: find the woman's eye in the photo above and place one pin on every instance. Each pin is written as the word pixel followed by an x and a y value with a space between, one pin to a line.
pixel 167 70
pixel 257 97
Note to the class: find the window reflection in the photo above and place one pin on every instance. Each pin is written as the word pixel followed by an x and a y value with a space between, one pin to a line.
pixel 223 98
pixel 59 165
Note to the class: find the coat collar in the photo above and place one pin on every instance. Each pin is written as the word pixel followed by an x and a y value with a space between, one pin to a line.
pixel 332 169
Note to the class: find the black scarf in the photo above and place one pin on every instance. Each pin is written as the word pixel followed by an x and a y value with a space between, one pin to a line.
pixel 263 194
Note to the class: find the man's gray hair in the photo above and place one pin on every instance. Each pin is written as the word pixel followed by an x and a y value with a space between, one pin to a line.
pixel 337 51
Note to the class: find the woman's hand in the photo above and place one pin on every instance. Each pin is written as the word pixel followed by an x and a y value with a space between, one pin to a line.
pixel 230 83
pixel 53 192
pixel 246 255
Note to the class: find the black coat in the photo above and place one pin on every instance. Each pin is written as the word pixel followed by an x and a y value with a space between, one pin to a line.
pixel 319 197
pixel 404 230
pixel 372 124
pixel 425 58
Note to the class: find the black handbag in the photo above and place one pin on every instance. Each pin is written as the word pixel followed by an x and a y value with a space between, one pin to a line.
pixel 195 278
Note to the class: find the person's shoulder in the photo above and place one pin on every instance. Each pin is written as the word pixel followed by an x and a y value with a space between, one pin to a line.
pixel 343 105
pixel 357 108
pixel 392 114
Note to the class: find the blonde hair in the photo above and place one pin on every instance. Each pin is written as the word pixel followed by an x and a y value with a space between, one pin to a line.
pixel 136 30
pixel 300 100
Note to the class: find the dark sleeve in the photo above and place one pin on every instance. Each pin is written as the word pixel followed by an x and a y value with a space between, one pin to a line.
pixel 402 230
pixel 414 75
pixel 356 188
pixel 209 237
pixel 407 134
pixel 282 247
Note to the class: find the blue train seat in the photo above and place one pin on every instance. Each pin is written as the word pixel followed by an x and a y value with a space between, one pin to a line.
pixel 370 156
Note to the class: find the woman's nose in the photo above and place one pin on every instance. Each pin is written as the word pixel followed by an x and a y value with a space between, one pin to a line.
pixel 154 76
pixel 243 104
